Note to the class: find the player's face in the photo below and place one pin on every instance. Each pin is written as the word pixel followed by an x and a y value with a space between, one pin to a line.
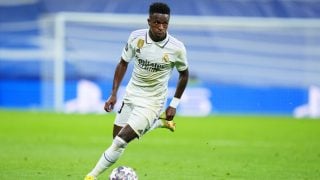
pixel 158 24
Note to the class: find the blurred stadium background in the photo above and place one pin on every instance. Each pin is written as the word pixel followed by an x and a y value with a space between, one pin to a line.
pixel 246 57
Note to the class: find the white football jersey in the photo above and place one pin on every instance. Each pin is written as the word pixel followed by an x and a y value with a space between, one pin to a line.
pixel 153 65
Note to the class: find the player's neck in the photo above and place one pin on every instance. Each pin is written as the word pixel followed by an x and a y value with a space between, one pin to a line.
pixel 155 39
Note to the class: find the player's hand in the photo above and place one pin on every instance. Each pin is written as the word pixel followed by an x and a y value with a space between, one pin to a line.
pixel 109 104
pixel 170 113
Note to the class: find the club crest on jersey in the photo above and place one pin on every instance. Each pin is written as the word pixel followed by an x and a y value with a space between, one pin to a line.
pixel 139 45
pixel 165 58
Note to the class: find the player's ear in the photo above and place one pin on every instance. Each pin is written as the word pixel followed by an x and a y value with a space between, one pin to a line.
pixel 149 21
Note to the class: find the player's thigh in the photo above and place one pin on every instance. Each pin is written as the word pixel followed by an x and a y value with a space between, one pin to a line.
pixel 116 130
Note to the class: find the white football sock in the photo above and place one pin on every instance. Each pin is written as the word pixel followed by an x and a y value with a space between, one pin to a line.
pixel 158 123
pixel 110 156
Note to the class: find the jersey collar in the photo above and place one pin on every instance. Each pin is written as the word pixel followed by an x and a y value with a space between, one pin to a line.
pixel 161 44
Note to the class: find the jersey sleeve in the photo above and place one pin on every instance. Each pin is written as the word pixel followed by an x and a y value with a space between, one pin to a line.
pixel 181 62
pixel 128 51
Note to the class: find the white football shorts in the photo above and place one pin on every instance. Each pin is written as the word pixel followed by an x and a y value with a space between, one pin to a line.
pixel 139 118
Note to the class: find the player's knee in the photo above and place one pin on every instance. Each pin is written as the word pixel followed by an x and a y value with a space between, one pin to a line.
pixel 127 134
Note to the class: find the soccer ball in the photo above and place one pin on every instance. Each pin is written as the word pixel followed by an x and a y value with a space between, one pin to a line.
pixel 123 173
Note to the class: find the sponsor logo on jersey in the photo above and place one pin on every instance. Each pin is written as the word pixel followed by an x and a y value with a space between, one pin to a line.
pixel 152 67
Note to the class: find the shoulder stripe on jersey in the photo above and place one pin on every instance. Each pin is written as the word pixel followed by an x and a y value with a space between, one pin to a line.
pixel 176 44
pixel 137 33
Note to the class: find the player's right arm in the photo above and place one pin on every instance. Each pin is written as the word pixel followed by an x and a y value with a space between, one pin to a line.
pixel 118 76
pixel 127 54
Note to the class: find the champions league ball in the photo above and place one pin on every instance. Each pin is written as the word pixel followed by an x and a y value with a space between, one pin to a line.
pixel 123 173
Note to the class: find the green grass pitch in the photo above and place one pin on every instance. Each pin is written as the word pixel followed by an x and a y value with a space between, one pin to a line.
pixel 40 145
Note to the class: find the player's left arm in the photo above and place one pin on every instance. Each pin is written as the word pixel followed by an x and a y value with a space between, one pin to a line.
pixel 181 86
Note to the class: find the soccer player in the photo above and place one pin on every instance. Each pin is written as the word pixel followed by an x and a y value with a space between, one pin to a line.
pixel 155 53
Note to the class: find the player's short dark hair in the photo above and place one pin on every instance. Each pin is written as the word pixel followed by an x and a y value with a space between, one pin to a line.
pixel 159 7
